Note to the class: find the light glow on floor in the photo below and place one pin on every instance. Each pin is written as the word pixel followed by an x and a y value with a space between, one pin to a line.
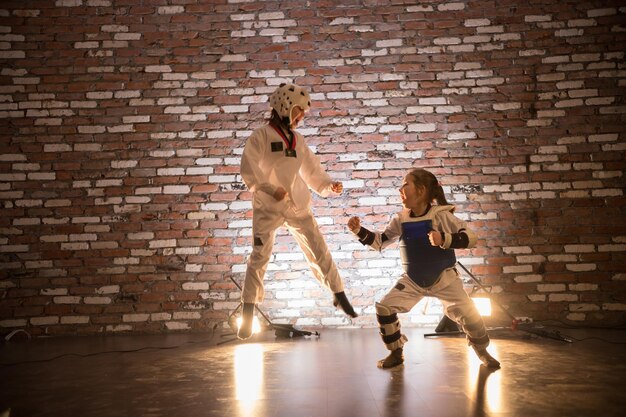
pixel 485 386
pixel 248 376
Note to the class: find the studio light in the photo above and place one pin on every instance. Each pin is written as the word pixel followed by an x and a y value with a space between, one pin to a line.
pixel 234 321
pixel 483 304
pixel 256 326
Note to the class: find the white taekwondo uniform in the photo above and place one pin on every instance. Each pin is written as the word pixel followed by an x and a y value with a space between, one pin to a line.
pixel 269 161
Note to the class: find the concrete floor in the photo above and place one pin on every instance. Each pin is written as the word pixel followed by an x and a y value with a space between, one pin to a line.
pixel 333 375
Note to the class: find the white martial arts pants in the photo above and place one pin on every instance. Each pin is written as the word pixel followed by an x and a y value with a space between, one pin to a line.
pixel 268 216
pixel 449 290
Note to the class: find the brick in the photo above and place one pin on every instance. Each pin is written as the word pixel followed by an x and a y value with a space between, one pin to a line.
pixel 170 9
pixel 125 174
pixel 172 325
pixel 584 307
pixel 44 321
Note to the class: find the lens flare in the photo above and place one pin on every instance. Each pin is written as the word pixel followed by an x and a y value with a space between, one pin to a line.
pixel 483 305
pixel 256 326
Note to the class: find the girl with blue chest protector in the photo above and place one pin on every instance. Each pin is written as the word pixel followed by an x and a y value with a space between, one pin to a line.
pixel 428 235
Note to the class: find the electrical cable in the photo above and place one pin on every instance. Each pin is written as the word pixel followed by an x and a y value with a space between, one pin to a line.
pixel 557 335
pixel 597 338
pixel 565 325
pixel 570 326
pixel 112 351
pixel 530 331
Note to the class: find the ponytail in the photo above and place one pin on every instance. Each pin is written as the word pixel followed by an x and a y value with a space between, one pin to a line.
pixel 438 195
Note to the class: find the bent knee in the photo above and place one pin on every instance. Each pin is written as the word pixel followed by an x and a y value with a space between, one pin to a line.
pixel 384 310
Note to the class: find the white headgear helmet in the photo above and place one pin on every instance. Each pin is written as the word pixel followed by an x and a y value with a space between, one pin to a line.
pixel 286 97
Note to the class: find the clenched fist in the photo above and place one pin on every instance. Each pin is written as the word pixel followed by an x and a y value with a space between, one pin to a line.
pixel 354 224
pixel 279 194
pixel 337 187
pixel 435 238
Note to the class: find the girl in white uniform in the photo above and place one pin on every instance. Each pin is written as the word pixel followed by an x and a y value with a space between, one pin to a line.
pixel 279 168
pixel 428 235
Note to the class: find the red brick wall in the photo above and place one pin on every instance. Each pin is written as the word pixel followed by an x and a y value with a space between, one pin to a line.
pixel 122 126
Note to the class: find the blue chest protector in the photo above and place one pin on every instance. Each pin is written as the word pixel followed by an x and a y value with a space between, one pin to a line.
pixel 423 262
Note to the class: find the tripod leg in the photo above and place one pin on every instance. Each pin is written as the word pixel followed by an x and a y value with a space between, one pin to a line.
pixel 446 325
pixel 488 292
pixel 257 309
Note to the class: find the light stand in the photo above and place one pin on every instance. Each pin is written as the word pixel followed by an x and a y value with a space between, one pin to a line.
pixel 448 327
pixel 280 330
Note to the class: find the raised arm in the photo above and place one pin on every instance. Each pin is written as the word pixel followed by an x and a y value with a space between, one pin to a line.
pixel 375 240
